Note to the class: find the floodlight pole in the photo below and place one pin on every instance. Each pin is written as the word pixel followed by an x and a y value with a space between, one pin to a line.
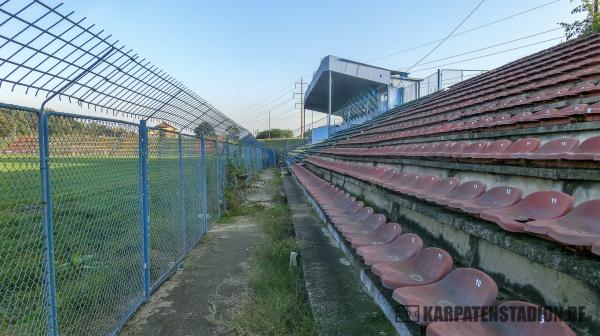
pixel 269 124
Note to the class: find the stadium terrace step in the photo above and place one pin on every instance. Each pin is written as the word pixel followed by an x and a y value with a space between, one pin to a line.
pixel 462 287
pixel 541 205
pixel 579 227
pixel 495 198
pixel 544 324
pixel 384 234
pixel 403 247
pixel 427 266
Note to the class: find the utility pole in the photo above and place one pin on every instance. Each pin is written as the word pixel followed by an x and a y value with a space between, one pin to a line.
pixel 269 124
pixel 300 86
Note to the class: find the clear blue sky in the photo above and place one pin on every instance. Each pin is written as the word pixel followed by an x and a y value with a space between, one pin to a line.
pixel 234 53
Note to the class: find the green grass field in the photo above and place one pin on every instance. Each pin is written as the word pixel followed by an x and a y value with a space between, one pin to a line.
pixel 97 234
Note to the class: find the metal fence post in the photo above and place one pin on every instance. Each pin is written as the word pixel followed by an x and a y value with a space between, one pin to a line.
pixel 182 195
pixel 144 181
pixel 227 149
pixel 203 184
pixel 48 229
pixel 218 177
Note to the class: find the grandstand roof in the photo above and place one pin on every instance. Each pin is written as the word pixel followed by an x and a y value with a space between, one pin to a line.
pixel 350 80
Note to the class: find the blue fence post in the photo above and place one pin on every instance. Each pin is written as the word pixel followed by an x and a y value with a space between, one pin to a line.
pixel 227 149
pixel 182 194
pixel 144 181
pixel 48 228
pixel 218 177
pixel 203 184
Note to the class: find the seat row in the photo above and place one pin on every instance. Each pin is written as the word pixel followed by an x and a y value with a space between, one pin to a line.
pixel 578 61
pixel 565 148
pixel 549 214
pixel 421 277
pixel 482 123
pixel 586 88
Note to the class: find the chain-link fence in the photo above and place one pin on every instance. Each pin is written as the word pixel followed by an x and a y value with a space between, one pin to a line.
pixel 96 213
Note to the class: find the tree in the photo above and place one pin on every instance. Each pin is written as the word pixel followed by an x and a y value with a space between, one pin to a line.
pixel 234 132
pixel 206 129
pixel 276 133
pixel 589 25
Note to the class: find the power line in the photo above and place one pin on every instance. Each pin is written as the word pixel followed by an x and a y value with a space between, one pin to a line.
pixel 489 47
pixel 260 109
pixel 465 31
pixel 279 114
pixel 448 36
pixel 266 98
pixel 487 55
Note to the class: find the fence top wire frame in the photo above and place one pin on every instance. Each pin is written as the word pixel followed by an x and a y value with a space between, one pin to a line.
pixel 47 51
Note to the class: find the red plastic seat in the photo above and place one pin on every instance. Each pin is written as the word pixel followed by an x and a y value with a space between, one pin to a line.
pixel 425 267
pixel 466 191
pixel 553 149
pixel 545 324
pixel 348 210
pixel 461 287
pixel 361 215
pixel 401 180
pixel 541 205
pixel 492 150
pixel 586 150
pixel 403 247
pixel 425 184
pixel 456 148
pixel 369 225
pixel 424 149
pixel 474 148
pixel 376 173
pixel 577 109
pixel 579 227
pixel 382 235
pixel 391 178
pixel 500 120
pixel 495 198
pixel 543 114
pixel 443 187
pixel 443 148
pixel 409 181
pixel 517 118
pixel 526 145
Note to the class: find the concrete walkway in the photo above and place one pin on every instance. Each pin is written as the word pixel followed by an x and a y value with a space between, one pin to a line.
pixel 338 300
pixel 195 299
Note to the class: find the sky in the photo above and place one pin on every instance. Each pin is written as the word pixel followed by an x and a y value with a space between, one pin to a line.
pixel 235 54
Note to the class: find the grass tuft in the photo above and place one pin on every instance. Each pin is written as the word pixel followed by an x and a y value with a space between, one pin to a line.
pixel 276 302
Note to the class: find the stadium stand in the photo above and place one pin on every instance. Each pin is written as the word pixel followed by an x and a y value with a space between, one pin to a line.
pixel 493 189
